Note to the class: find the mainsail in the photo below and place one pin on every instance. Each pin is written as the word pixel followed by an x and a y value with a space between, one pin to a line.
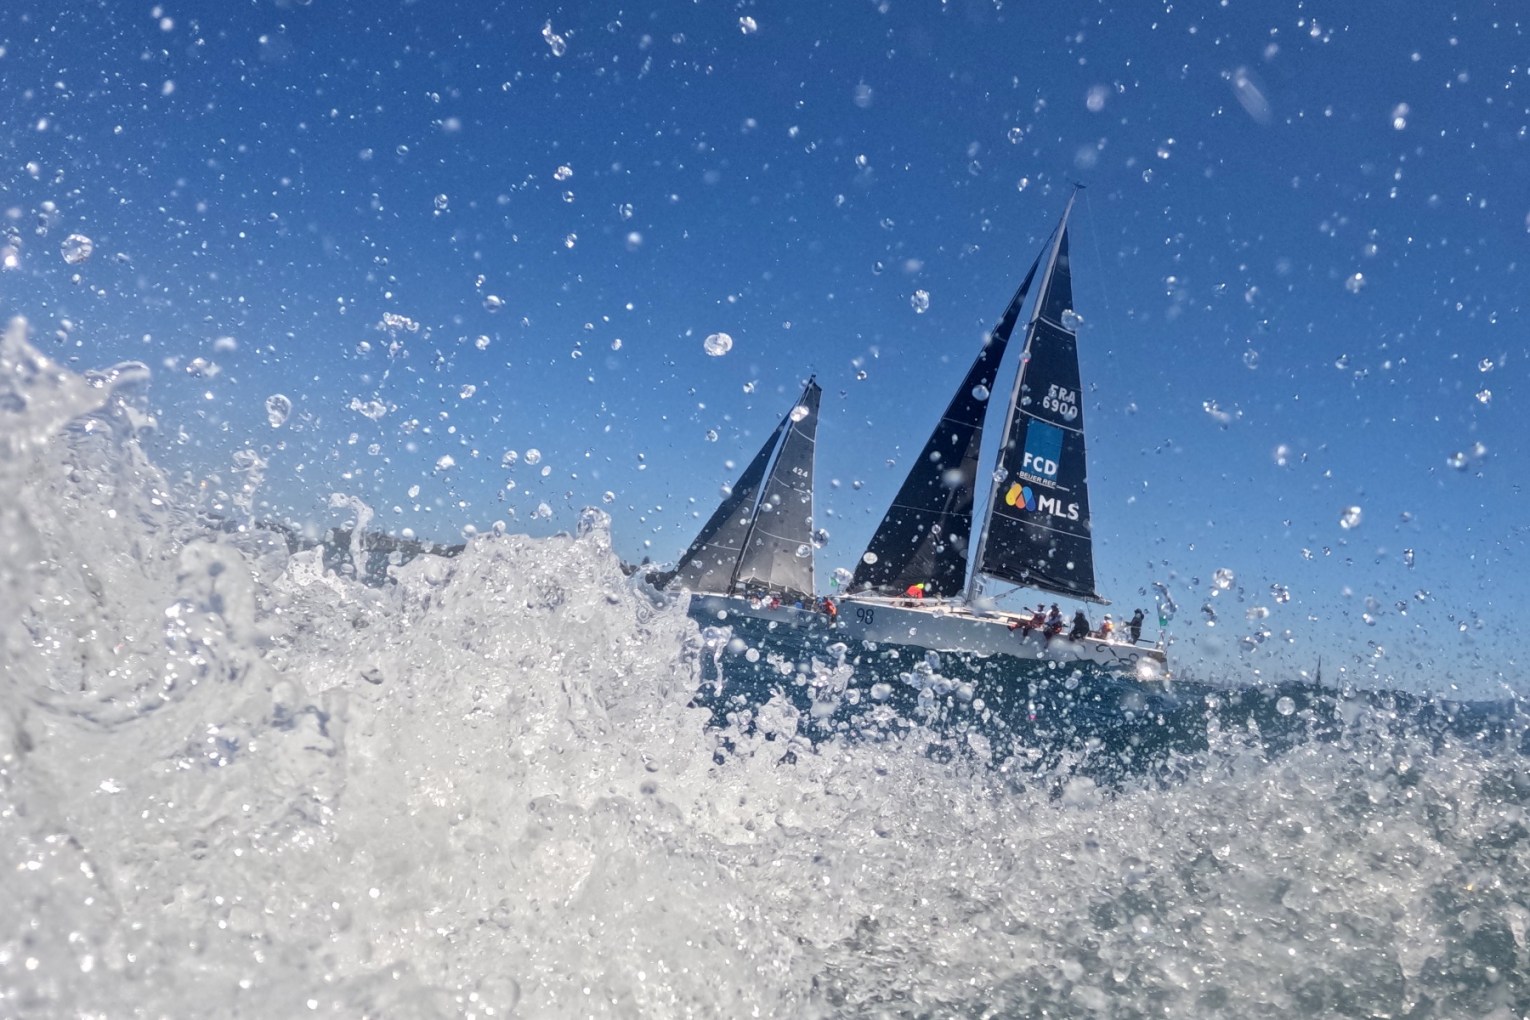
pixel 755 538
pixel 924 536
pixel 1035 529
pixel 1038 530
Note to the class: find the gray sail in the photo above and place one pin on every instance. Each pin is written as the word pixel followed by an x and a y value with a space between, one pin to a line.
pixel 1038 531
pixel 778 554
pixel 925 534
pixel 731 540
pixel 711 562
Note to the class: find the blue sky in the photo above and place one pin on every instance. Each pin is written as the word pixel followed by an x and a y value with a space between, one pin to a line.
pixel 1300 261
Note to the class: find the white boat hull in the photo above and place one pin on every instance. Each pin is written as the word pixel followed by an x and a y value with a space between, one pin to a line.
pixel 939 627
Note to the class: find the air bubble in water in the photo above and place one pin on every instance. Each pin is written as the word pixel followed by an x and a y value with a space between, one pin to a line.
pixel 1285 706
pixel 799 412
pixel 482 343
pixel 533 456
pixel 493 302
pixel 869 558
pixel 1015 134
pixel 1484 397
pixel 717 344
pixel 1355 283
pixel 77 248
pixel 467 391
pixel 920 301
pixel 1280 593
pixel 1485 365
pixel 1222 578
pixel 1071 320
pixel 1251 358
pixel 804 551
pixel 278 408
pixel 563 173
pixel 1457 460
pixel 442 202
pixel 1350 518
pixel 711 435
pixel 980 392
pixel 748 25
pixel 1408 557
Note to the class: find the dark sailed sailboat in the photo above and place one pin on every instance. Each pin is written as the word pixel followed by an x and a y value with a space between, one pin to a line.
pixel 1034 530
pixel 754 555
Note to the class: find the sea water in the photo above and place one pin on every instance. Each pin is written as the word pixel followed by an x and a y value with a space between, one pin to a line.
pixel 235 781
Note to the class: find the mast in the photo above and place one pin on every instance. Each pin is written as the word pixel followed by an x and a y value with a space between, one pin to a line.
pixel 1014 399
pixel 782 521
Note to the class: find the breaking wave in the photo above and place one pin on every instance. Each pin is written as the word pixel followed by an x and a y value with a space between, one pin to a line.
pixel 235 781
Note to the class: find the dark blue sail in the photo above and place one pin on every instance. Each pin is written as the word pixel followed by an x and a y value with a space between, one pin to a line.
pixel 926 532
pixel 1038 529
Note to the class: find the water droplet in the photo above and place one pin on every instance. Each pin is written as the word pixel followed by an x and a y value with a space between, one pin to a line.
pixel 1485 365
pixel 555 42
pixel 1400 116
pixel 804 551
pixel 881 691
pixel 1408 557
pixel 1285 706
pixel 482 343
pixel 869 558
pixel 1350 518
pixel 799 412
pixel 1484 397
pixel 717 344
pixel 1071 320
pixel 467 391
pixel 748 25
pixel 76 248
pixel 862 96
pixel 442 202
pixel 608 496
pixel 1280 593
pixel 711 436
pixel 278 408
pixel 1251 358
pixel 563 173
pixel 533 456
pixel 980 392
pixel 1355 283
pixel 1015 134
pixel 920 301
pixel 570 240
pixel 1094 100
pixel 860 376
pixel 1222 578
pixel 493 302
pixel 1457 460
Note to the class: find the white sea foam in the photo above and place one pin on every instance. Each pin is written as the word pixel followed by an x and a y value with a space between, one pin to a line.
pixel 236 783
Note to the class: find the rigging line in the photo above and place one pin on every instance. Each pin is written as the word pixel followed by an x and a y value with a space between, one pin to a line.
pixel 1100 276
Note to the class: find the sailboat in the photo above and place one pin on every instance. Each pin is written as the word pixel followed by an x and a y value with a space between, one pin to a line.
pixel 754 556
pixel 920 581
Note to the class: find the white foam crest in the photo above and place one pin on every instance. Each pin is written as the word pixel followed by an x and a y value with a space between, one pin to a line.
pixel 232 778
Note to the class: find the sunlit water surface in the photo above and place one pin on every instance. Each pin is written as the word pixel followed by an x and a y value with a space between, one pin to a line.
pixel 233 783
